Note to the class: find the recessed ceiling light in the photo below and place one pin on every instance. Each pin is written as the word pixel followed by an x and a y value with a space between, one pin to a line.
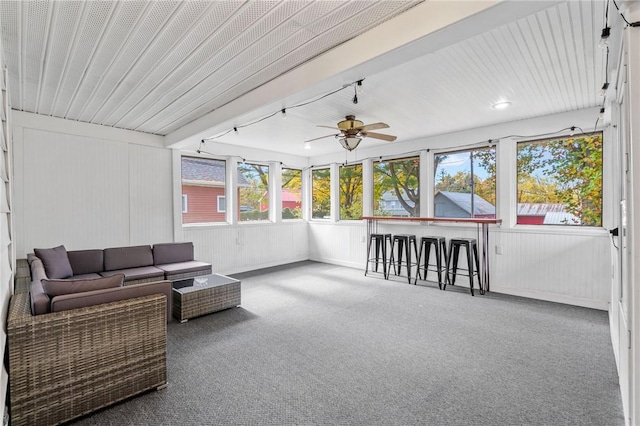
pixel 502 105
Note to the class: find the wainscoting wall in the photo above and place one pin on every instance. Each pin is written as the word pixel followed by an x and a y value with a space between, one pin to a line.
pixel 248 246
pixel 561 266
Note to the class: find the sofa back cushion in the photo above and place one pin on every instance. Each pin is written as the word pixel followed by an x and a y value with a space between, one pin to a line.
pixel 59 287
pixel 39 300
pixel 86 261
pixel 89 298
pixel 172 253
pixel 127 257
pixel 55 261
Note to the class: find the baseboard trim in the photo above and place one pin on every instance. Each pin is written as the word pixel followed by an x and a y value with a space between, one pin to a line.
pixel 601 305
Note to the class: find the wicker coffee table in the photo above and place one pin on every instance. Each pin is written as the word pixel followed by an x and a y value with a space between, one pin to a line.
pixel 202 295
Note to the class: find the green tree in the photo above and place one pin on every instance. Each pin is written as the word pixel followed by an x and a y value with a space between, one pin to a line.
pixel 257 176
pixel 577 167
pixel 401 178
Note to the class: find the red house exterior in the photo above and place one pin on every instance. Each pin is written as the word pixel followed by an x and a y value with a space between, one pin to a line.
pixel 203 190
pixel 290 200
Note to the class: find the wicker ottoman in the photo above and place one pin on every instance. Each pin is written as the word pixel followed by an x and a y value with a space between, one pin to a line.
pixel 202 295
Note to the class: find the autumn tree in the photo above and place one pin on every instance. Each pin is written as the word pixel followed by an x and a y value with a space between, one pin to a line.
pixel 320 193
pixel 573 167
pixel 351 192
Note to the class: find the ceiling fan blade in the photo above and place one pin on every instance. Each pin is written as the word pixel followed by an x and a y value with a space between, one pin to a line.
pixel 322 137
pixel 328 127
pixel 374 126
pixel 387 138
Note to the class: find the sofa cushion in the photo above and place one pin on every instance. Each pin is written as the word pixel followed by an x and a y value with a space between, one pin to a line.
pixel 183 267
pixel 127 257
pixel 165 253
pixel 59 287
pixel 55 261
pixel 86 261
pixel 97 297
pixel 85 276
pixel 137 273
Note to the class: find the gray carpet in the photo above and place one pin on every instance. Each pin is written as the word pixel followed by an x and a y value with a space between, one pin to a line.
pixel 322 344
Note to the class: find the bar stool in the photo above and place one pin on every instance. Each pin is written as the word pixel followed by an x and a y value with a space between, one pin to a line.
pixel 471 245
pixel 381 241
pixel 405 241
pixel 440 245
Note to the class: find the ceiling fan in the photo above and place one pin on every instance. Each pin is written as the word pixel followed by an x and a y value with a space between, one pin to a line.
pixel 352 131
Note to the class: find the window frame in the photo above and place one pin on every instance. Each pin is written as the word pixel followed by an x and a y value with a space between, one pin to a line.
pixel 472 149
pixel 564 226
pixel 224 202
pixel 311 187
pixel 420 189
pixel 282 208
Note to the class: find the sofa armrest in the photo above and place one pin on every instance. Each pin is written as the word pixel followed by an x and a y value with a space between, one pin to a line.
pixel 83 359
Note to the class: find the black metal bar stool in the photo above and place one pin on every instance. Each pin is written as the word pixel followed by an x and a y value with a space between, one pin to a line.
pixel 405 241
pixel 440 250
pixel 381 241
pixel 471 246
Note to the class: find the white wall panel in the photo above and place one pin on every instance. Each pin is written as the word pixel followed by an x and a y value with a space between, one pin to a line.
pixel 150 196
pixel 567 266
pixel 75 191
pixel 86 186
pixel 245 247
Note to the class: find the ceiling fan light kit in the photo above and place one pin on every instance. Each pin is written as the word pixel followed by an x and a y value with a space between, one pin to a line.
pixel 350 143
pixel 352 132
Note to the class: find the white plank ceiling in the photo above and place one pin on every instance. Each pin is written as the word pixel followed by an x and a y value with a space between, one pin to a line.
pixel 156 66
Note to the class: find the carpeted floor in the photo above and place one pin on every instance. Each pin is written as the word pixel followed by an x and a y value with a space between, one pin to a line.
pixel 318 344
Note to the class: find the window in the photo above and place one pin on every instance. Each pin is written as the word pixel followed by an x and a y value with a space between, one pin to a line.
pixel 185 203
pixel 396 187
pixel 222 203
pixel 560 181
pixel 351 192
pixel 320 194
pixel 465 183
pixel 291 194
pixel 253 189
pixel 203 181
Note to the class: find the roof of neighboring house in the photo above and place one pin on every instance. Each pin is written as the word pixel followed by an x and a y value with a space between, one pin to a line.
pixel 201 171
pixel 463 200
pixel 539 209
pixel 560 218
pixel 391 196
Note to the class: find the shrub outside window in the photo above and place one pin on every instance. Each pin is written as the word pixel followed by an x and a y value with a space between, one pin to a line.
pixel 253 188
pixel 465 183
pixel 396 187
pixel 291 194
pixel 321 194
pixel 560 181
pixel 351 192
pixel 203 182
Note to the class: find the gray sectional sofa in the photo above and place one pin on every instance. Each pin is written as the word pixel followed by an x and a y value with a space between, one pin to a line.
pixel 135 264
pixel 92 330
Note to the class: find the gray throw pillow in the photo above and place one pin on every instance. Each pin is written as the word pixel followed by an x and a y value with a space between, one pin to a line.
pixel 55 261
pixel 59 287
